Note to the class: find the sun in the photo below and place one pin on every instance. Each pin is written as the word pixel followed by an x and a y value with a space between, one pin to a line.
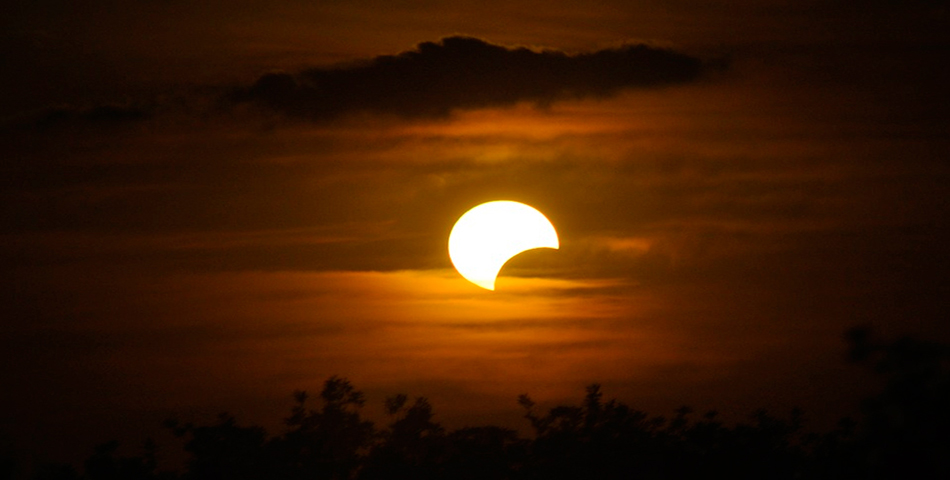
pixel 487 236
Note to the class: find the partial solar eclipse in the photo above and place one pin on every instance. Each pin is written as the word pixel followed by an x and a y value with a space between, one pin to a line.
pixel 487 236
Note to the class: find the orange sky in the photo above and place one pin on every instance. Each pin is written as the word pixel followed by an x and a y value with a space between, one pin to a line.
pixel 718 235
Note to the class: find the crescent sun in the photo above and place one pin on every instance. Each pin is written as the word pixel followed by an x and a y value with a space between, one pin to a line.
pixel 490 234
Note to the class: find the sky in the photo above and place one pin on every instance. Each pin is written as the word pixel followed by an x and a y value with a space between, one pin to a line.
pixel 209 205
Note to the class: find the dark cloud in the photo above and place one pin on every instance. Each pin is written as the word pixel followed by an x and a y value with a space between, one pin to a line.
pixel 65 117
pixel 102 114
pixel 463 73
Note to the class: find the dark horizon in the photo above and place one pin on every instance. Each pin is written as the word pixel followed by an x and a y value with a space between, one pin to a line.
pixel 899 431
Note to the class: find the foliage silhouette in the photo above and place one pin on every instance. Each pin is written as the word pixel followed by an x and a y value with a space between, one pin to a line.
pixel 902 433
pixel 907 426
pixel 327 443
pixel 8 463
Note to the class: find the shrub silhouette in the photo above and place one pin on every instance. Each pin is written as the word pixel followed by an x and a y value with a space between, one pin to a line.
pixel 323 444
pixel 225 450
pixel 413 446
pixel 907 426
pixel 903 433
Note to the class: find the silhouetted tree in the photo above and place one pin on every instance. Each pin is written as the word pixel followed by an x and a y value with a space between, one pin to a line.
pixel 8 464
pixel 904 433
pixel 224 450
pixel 413 446
pixel 476 453
pixel 328 443
pixel 595 440
pixel 105 464
pixel 55 471
pixel 610 440
pixel 906 430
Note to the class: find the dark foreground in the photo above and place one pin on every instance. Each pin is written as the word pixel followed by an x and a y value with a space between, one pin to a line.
pixel 901 433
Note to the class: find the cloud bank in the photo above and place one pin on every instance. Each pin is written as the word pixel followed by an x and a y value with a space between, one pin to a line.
pixel 465 73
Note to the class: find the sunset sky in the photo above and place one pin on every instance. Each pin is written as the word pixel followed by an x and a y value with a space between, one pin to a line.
pixel 208 205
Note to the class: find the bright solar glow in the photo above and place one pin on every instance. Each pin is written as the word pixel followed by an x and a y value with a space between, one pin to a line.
pixel 489 235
